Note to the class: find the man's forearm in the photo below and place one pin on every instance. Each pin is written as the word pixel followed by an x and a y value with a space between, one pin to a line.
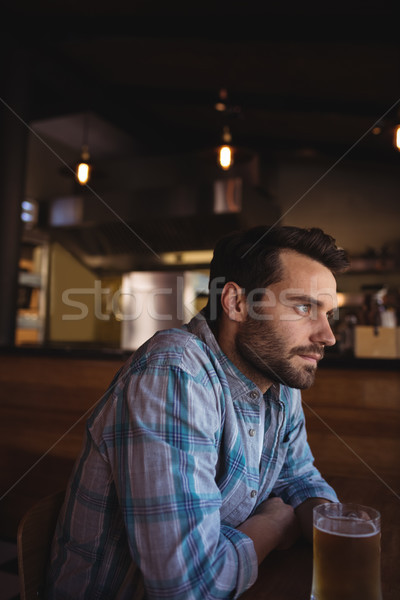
pixel 304 513
pixel 264 535
pixel 273 526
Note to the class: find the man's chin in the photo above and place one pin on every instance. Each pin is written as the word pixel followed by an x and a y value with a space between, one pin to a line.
pixel 308 377
pixel 305 385
pixel 301 379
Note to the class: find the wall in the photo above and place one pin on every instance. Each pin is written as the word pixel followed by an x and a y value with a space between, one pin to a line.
pixel 48 171
pixel 67 275
pixel 358 204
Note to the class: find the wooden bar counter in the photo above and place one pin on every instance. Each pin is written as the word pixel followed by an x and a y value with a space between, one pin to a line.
pixel 353 423
pixel 45 399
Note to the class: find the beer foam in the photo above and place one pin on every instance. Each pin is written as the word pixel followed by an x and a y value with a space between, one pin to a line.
pixel 369 527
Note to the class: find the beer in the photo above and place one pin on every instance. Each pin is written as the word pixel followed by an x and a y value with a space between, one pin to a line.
pixel 346 559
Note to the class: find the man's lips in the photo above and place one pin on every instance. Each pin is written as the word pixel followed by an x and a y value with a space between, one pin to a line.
pixel 313 358
pixel 312 353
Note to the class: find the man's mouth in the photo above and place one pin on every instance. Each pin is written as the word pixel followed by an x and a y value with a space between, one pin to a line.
pixel 312 353
pixel 311 358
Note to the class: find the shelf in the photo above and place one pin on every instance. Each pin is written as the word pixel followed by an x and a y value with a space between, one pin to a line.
pixel 32 292
pixel 29 322
pixel 33 280
pixel 372 265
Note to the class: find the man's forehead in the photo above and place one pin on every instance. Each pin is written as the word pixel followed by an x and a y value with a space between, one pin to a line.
pixel 305 280
pixel 305 270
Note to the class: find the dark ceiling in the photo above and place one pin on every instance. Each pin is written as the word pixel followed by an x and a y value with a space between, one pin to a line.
pixel 310 82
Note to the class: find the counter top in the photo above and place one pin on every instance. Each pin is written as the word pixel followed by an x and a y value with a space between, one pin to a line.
pixel 95 352
pixel 68 351
pixel 348 361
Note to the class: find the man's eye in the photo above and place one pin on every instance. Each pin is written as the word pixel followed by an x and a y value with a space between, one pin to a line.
pixel 333 316
pixel 303 309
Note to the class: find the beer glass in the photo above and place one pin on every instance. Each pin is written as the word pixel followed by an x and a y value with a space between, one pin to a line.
pixel 346 563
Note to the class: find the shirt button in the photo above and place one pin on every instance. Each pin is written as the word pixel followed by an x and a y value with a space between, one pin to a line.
pixel 253 493
pixel 252 432
pixel 254 394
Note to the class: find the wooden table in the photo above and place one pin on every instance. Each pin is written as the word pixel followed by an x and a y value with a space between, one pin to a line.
pixel 284 575
pixel 287 575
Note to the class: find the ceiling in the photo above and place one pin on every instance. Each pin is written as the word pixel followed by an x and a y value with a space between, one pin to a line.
pixel 310 82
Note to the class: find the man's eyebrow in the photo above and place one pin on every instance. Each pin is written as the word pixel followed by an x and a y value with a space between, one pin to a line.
pixel 304 298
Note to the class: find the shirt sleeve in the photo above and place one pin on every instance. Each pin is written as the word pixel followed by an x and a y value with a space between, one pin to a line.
pixel 163 455
pixel 299 478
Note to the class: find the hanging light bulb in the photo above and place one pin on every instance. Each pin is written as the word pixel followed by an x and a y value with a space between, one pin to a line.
pixel 225 157
pixel 220 105
pixel 83 168
pixel 397 137
pixel 225 151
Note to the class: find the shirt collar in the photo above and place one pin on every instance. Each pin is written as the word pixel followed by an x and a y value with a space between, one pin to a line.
pixel 239 384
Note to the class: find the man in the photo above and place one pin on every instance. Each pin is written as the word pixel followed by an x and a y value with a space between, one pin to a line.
pixel 195 464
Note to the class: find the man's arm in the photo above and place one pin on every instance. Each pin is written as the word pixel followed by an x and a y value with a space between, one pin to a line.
pixel 165 467
pixel 274 526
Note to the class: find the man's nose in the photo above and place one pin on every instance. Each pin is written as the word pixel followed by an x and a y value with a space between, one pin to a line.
pixel 323 333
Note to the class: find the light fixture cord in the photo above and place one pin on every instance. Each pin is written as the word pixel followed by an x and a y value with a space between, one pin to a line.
pixel 85 142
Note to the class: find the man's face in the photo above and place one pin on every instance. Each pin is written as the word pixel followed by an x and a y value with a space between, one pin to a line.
pixel 284 334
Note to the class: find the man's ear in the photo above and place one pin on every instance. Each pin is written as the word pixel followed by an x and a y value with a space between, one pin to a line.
pixel 233 301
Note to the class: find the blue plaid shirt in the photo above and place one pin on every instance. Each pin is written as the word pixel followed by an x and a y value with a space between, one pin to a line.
pixel 179 452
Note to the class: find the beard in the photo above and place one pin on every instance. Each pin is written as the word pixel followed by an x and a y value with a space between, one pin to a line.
pixel 263 349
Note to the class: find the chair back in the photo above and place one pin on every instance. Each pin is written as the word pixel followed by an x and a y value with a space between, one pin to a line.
pixel 34 538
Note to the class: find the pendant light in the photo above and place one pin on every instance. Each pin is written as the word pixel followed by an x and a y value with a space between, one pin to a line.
pixel 225 151
pixel 396 138
pixel 84 168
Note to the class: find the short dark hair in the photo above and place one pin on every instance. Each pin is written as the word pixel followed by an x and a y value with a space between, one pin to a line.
pixel 252 258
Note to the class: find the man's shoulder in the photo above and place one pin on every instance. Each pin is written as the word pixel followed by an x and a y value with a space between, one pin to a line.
pixel 166 351
pixel 179 348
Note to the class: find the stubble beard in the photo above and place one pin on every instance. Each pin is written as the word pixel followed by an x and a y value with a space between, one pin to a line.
pixel 259 345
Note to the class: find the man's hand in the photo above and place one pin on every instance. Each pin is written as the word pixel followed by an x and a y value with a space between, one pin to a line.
pixel 304 513
pixel 274 526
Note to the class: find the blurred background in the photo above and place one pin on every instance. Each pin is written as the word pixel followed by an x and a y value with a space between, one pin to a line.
pixel 308 102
